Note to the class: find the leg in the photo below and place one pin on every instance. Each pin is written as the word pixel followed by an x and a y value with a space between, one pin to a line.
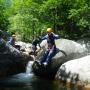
pixel 34 48
pixel 43 59
pixel 50 55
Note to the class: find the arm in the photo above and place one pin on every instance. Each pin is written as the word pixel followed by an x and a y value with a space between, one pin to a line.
pixel 56 36
pixel 10 40
pixel 45 37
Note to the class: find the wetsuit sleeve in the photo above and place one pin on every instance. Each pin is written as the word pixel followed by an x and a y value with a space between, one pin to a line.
pixel 56 36
pixel 10 40
pixel 33 42
pixel 45 37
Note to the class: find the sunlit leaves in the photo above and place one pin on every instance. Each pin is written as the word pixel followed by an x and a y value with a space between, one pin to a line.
pixel 30 17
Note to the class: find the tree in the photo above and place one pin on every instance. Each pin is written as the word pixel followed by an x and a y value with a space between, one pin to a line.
pixel 3 16
pixel 70 18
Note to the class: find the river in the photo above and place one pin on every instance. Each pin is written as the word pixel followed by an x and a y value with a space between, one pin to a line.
pixel 25 81
pixel 28 81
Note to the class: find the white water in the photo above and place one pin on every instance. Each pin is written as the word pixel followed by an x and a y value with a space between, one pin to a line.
pixel 29 67
pixel 21 78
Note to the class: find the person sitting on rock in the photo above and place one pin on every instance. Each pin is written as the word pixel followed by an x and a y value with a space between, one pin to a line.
pixel 12 39
pixel 51 50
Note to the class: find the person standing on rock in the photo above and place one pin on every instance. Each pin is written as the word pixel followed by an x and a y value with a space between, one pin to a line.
pixel 51 49
pixel 35 43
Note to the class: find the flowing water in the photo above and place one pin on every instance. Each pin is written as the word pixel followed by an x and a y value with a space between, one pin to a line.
pixel 28 81
pixel 24 81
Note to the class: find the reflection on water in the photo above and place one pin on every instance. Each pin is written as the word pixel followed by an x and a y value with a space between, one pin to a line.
pixel 27 82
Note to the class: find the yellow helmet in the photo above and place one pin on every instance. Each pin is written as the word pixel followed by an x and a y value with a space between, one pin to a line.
pixel 49 30
pixel 13 35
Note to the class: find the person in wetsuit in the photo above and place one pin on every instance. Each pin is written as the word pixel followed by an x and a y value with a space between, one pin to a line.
pixel 35 42
pixel 12 39
pixel 51 49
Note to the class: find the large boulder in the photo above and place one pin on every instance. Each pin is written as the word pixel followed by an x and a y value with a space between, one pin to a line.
pixel 85 42
pixel 66 50
pixel 75 71
pixel 24 46
pixel 12 61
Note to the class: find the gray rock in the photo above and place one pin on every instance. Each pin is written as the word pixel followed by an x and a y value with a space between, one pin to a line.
pixel 12 61
pixel 66 50
pixel 75 71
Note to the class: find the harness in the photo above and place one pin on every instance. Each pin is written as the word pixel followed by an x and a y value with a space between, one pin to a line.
pixel 50 41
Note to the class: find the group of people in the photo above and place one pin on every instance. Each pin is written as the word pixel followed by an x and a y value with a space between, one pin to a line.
pixel 51 49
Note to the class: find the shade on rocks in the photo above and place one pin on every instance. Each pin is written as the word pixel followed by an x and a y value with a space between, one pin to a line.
pixel 75 71
pixel 66 50
pixel 12 61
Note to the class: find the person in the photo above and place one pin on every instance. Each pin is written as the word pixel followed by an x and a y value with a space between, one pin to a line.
pixel 35 43
pixel 12 39
pixel 51 49
pixel 5 35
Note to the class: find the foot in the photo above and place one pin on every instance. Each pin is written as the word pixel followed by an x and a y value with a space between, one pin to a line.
pixel 45 63
pixel 39 62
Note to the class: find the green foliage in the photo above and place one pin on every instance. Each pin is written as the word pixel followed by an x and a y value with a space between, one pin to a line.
pixel 69 18
pixel 3 18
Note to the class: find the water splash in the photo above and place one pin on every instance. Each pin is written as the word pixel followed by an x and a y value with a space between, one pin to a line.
pixel 29 67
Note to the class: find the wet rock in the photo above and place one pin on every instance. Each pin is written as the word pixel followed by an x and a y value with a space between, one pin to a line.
pixel 12 61
pixel 75 71
pixel 66 50
pixel 24 47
